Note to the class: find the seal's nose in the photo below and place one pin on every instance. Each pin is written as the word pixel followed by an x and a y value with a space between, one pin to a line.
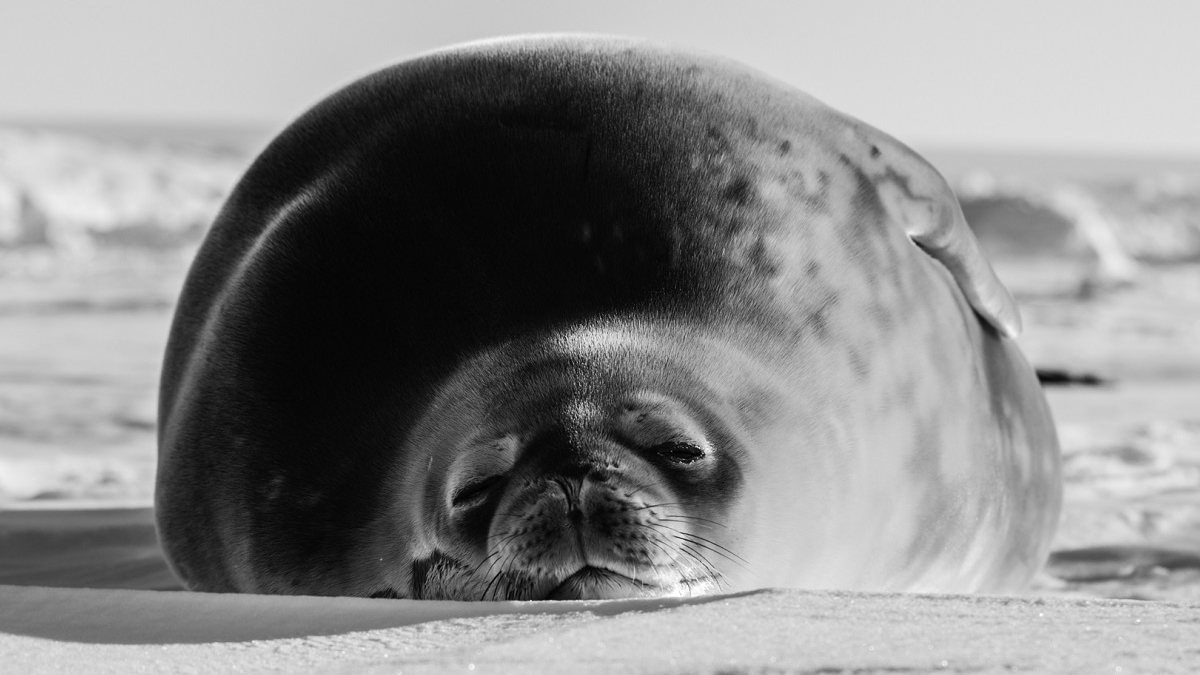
pixel 570 455
pixel 571 493
pixel 573 460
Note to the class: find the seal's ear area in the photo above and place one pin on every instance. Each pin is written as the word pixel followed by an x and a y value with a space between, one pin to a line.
pixel 916 196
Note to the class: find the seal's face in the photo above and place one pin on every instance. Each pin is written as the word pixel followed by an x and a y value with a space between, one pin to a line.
pixel 572 476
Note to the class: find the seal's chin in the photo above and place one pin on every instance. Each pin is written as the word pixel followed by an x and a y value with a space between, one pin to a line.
pixel 598 583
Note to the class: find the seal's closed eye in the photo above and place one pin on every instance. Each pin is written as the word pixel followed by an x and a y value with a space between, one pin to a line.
pixel 679 452
pixel 474 492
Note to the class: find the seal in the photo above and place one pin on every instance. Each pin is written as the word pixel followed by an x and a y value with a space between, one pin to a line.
pixel 583 317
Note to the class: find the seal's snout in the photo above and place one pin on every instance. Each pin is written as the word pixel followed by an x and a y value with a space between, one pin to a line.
pixel 612 533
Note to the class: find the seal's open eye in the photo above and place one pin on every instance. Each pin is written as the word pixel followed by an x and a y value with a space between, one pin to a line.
pixel 679 452
pixel 474 492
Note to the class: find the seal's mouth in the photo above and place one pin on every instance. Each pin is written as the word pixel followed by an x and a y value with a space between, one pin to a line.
pixel 599 583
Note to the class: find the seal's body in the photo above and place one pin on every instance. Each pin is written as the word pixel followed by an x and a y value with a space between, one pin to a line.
pixel 581 317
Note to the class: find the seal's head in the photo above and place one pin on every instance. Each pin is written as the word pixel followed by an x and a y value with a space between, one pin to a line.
pixel 594 463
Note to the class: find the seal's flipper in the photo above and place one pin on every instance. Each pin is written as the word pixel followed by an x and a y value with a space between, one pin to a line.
pixel 947 238
pixel 917 197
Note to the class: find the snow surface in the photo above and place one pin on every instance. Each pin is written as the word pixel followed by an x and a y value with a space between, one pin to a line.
pixel 116 608
pixel 46 630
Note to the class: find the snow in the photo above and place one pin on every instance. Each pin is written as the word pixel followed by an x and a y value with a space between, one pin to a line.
pixel 47 630
pixel 86 589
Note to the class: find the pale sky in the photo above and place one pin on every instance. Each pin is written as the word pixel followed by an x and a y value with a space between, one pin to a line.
pixel 1051 75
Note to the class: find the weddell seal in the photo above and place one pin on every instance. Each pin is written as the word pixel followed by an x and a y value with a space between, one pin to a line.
pixel 576 317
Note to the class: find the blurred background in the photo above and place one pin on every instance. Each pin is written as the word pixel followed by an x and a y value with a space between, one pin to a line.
pixel 1070 130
